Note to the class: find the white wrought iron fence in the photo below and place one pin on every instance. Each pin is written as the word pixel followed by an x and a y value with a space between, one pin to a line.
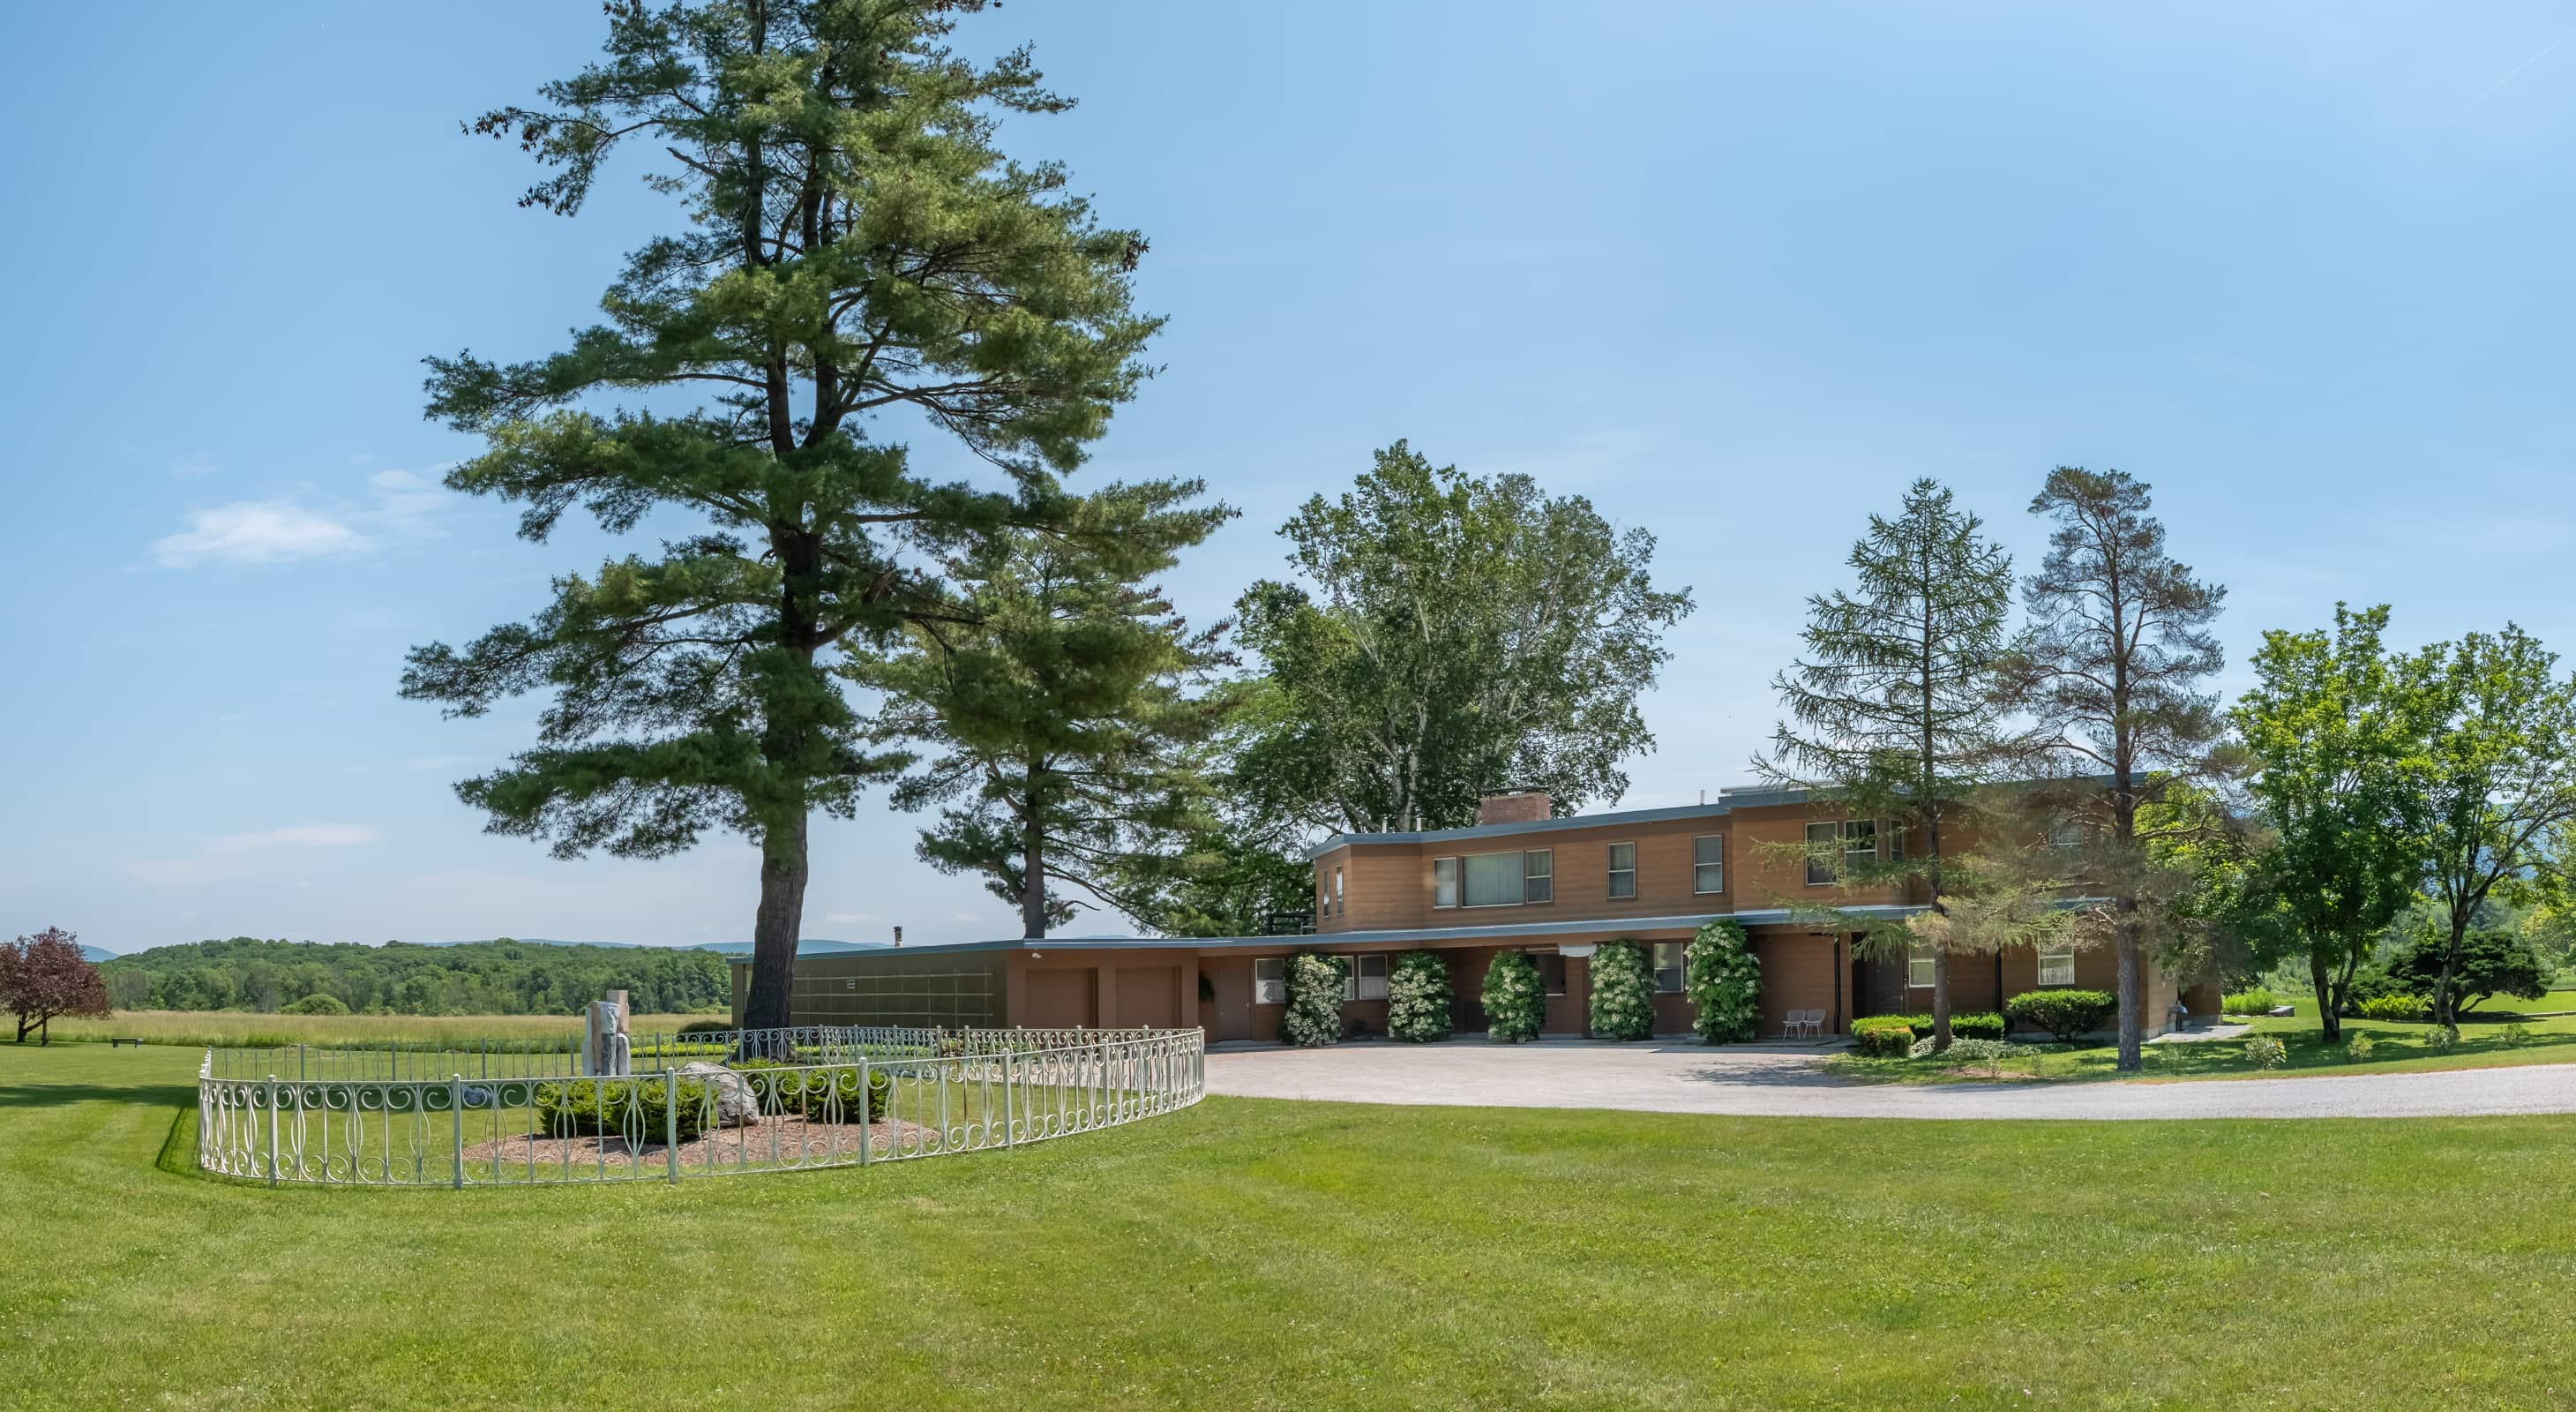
pixel 696 1105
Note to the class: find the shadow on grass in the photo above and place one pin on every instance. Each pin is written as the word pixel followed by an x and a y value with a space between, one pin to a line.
pixel 64 1095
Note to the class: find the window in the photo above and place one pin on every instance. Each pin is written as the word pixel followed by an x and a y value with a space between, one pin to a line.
pixel 2057 967
pixel 1918 967
pixel 1366 978
pixel 1708 863
pixel 1538 875
pixel 1444 882
pixel 1337 892
pixel 1270 981
pixel 1668 968
pixel 1895 839
pixel 1493 879
pixel 1853 838
pixel 1551 972
pixel 2065 831
pixel 1623 870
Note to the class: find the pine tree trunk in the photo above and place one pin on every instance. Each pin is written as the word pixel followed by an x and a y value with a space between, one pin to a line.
pixel 777 925
pixel 1033 918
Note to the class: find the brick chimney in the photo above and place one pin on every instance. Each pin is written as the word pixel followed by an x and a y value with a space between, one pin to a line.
pixel 1514 806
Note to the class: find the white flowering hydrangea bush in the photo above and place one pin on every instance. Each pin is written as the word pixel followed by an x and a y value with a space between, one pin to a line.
pixel 1723 978
pixel 1623 992
pixel 1314 1001
pixel 1417 997
pixel 1514 1002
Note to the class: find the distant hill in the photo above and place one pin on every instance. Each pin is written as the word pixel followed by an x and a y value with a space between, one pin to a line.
pixel 811 946
pixel 505 977
pixel 94 954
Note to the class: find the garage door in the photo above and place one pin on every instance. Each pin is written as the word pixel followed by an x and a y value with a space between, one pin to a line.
pixel 1149 995
pixel 1059 999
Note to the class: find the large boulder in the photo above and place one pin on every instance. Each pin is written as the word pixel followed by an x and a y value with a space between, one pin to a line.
pixel 736 1103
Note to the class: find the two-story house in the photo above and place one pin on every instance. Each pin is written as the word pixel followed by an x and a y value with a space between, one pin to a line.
pixel 1517 880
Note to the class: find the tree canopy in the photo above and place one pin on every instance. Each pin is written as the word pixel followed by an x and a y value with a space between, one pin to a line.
pixel 499 977
pixel 1448 635
pixel 850 244
pixel 43 978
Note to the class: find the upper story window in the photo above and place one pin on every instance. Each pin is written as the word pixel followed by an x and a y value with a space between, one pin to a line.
pixel 1444 882
pixel 1338 906
pixel 1668 968
pixel 1365 979
pixel 1623 871
pixel 1502 879
pixel 1708 863
pixel 1857 840
pixel 2065 831
pixel 2057 967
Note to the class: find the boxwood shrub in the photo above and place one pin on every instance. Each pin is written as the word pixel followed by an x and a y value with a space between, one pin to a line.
pixel 1417 997
pixel 1883 1036
pixel 1978 1024
pixel 2067 1014
pixel 1623 991
pixel 2406 1008
pixel 591 1108
pixel 2255 1000
pixel 813 1092
pixel 1515 1004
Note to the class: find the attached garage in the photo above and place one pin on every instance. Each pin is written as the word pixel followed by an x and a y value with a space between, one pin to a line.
pixel 1149 995
pixel 1059 1000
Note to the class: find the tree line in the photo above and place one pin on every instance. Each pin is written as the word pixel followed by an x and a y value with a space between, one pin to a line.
pixel 500 977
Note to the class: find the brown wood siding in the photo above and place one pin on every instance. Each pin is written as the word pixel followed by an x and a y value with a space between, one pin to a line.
pixel 1149 995
pixel 1059 1000
pixel 1798 973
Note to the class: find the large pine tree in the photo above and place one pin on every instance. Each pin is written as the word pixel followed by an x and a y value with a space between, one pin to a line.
pixel 1069 711
pixel 850 244
pixel 2112 666
pixel 1894 711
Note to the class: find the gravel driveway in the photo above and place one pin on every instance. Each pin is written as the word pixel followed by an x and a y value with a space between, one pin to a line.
pixel 1684 1078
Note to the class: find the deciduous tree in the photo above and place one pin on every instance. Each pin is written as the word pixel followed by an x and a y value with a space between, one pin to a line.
pixel 1449 635
pixel 2113 665
pixel 853 244
pixel 44 977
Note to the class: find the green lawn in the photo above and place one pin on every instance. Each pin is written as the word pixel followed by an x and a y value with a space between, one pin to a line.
pixel 1258 1255
pixel 2396 1048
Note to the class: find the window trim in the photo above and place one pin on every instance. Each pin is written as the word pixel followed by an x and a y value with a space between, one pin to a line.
pixel 1282 982
pixel 1813 863
pixel 1351 976
pixel 1520 894
pixel 1612 871
pixel 1917 954
pixel 1341 903
pixel 1844 832
pixel 1456 884
pixel 1697 865
pixel 1680 968
pixel 1564 970
pixel 2039 972
pixel 1548 877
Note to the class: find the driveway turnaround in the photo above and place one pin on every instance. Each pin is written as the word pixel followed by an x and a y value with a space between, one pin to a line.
pixel 1685 1078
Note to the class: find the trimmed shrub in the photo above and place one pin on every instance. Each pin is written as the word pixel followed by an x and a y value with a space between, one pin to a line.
pixel 1417 997
pixel 2256 1001
pixel 2264 1052
pixel 2370 983
pixel 318 1003
pixel 2439 1038
pixel 1515 1003
pixel 2516 1036
pixel 1623 991
pixel 1314 1015
pixel 831 1093
pixel 2066 1014
pixel 595 1108
pixel 1723 978
pixel 1981 1024
pixel 2357 1049
pixel 2405 1008
pixel 1883 1036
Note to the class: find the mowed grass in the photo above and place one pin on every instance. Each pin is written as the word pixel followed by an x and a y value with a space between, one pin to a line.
pixel 241 1028
pixel 1251 1254
pixel 2395 1048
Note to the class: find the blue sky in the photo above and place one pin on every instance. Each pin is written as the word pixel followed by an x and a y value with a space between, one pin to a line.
pixel 1737 273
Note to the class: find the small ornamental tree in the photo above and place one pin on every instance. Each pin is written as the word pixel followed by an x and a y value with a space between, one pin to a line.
pixel 1417 997
pixel 1515 1004
pixel 1314 1015
pixel 1623 993
pixel 1724 979
pixel 45 975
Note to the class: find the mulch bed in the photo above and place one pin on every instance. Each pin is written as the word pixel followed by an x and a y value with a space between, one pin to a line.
pixel 772 1141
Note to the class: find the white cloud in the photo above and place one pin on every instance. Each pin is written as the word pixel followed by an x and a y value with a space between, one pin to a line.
pixel 298 836
pixel 258 532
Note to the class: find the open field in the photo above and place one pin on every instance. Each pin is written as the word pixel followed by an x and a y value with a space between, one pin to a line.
pixel 1270 1254
pixel 243 1028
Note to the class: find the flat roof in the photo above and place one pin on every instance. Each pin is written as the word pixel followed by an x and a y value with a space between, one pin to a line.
pixel 1728 800
pixel 1490 932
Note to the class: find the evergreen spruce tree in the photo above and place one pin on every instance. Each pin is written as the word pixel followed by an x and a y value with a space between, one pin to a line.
pixel 1894 710
pixel 850 244
pixel 1070 708
pixel 2112 666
